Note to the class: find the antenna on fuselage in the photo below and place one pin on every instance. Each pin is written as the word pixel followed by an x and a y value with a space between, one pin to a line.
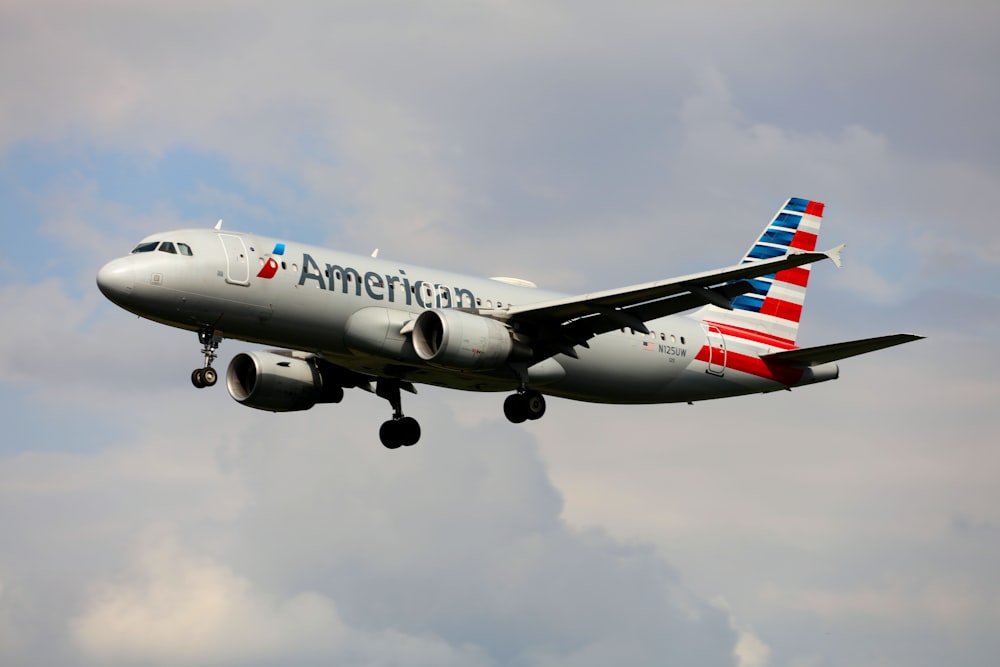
pixel 218 225
pixel 375 252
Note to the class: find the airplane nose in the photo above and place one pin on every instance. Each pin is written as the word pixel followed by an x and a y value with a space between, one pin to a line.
pixel 116 279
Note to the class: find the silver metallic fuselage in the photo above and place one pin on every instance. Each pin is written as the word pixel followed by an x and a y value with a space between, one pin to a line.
pixel 349 309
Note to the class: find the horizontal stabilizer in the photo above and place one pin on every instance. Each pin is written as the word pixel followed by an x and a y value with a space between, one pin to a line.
pixel 813 356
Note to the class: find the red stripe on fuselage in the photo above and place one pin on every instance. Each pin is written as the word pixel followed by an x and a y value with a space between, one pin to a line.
pixel 753 365
pixel 753 336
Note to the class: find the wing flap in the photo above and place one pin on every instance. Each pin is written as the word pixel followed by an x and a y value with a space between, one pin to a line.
pixel 814 356
pixel 588 315
pixel 599 322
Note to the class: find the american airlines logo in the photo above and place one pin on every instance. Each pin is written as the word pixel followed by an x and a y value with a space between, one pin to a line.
pixel 394 288
pixel 270 267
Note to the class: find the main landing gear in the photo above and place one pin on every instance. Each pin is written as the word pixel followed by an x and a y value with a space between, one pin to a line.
pixel 206 377
pixel 400 431
pixel 524 405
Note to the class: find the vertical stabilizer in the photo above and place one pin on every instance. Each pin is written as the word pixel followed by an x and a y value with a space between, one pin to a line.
pixel 771 311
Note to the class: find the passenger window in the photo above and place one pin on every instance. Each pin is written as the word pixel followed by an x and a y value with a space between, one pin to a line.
pixel 167 246
pixel 149 246
pixel 184 249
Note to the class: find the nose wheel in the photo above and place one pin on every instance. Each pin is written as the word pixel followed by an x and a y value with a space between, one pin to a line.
pixel 207 376
pixel 204 377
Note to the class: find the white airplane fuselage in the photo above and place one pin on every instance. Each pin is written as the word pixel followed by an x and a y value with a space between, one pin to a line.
pixel 349 309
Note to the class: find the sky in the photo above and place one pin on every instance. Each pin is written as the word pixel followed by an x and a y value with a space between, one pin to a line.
pixel 584 146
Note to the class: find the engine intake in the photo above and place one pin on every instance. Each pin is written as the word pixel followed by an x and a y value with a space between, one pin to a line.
pixel 462 341
pixel 279 382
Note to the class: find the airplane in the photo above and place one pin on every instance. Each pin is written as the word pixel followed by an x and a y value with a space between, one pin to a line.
pixel 346 321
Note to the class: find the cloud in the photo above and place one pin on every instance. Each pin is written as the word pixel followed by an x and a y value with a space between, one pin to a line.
pixel 516 583
pixel 750 651
pixel 175 608
pixel 262 543
pixel 188 610
pixel 952 603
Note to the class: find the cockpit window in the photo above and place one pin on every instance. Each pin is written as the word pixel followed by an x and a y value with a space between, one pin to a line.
pixel 166 246
pixel 149 246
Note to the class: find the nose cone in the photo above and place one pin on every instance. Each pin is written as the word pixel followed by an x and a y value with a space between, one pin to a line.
pixel 116 279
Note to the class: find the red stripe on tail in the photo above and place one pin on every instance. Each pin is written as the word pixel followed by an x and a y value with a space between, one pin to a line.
pixel 798 276
pixel 782 309
pixel 803 241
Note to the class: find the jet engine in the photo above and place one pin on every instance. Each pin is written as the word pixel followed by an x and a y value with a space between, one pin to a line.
pixel 462 341
pixel 279 382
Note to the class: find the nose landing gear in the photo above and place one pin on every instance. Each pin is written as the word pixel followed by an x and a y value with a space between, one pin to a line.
pixel 207 376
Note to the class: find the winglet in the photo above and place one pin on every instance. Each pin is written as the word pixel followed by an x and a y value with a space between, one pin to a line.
pixel 835 255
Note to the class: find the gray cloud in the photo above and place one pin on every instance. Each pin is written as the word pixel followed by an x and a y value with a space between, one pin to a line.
pixel 354 557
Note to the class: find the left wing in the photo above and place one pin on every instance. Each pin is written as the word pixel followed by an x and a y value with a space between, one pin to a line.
pixel 566 323
pixel 822 354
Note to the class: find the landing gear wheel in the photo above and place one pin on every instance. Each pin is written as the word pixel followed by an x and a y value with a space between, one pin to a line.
pixel 396 433
pixel 388 433
pixel 521 407
pixel 515 408
pixel 535 404
pixel 204 377
pixel 409 431
pixel 209 376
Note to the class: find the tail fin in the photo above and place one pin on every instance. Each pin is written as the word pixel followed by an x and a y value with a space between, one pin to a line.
pixel 771 311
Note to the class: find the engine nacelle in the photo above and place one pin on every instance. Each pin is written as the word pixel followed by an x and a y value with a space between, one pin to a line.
pixel 279 382
pixel 462 341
